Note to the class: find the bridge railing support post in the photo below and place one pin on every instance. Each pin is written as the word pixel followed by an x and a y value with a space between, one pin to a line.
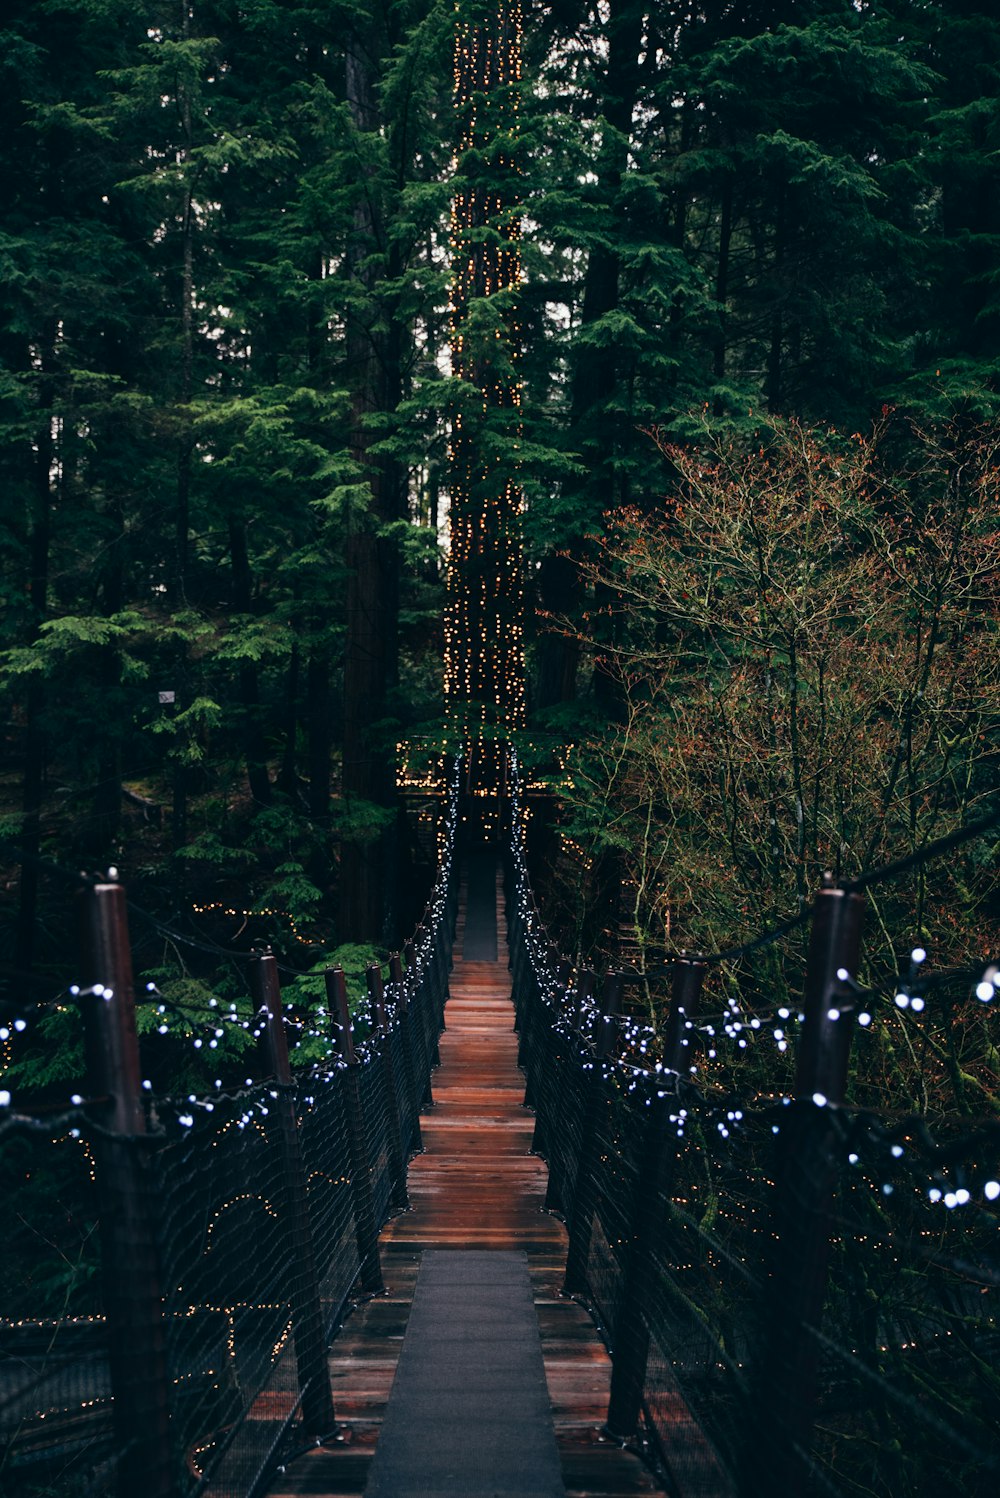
pixel 631 1332
pixel 307 1312
pixel 362 1195
pixel 133 1300
pixel 581 1216
pixel 783 1401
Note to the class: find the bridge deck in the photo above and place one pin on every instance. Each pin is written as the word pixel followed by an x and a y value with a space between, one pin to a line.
pixel 474 1187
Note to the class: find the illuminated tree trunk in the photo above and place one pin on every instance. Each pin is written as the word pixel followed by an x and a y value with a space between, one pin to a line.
pixel 484 630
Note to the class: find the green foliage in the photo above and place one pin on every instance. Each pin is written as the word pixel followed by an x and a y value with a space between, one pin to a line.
pixel 309 989
pixel 362 821
pixel 765 215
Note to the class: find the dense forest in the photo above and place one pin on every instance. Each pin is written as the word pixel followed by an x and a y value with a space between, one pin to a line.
pixel 757 333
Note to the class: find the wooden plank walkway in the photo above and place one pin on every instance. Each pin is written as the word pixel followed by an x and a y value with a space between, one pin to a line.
pixel 475 1186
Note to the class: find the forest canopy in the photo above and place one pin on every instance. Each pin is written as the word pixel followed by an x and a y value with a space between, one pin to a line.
pixel 752 236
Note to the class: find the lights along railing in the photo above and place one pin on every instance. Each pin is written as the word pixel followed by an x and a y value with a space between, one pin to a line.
pixel 799 1297
pixel 234 1228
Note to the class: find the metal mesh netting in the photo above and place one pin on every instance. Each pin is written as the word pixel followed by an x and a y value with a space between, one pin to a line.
pixel 200 1268
pixel 406 1109
pixel 376 1121
pixel 564 1136
pixel 226 1251
pixel 327 1165
pixel 705 1298
pixel 914 1297
pixel 618 1142
pixel 906 1393
pixel 217 1191
pixel 799 1298
pixel 55 1390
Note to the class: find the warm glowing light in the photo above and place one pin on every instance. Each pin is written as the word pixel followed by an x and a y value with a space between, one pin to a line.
pixel 483 625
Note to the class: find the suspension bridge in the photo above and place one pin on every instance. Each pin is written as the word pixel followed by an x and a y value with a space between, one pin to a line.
pixel 506 1239
pixel 502 1240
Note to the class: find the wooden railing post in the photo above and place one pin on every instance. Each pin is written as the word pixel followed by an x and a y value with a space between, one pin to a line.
pixel 631 1332
pixel 785 1387
pixel 307 1312
pixel 362 1195
pixel 581 1215
pixel 133 1299
pixel 398 1198
pixel 686 980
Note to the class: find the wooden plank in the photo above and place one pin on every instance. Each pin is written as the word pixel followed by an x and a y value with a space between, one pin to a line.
pixel 474 1186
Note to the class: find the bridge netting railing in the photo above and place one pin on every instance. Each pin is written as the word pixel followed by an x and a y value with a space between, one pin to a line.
pixel 799 1296
pixel 233 1230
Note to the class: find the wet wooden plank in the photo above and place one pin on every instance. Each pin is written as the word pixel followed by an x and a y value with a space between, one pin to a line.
pixel 475 1186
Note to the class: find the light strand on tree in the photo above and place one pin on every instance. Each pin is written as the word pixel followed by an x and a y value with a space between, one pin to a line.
pixel 483 626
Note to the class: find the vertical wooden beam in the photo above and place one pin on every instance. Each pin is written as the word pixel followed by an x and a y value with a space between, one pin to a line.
pixel 133 1298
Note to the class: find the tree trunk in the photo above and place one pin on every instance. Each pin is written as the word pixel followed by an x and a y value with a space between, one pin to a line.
pixel 722 289
pixel 558 652
pixel 370 650
pixel 484 666
pixel 101 835
pixel 249 687
pixel 185 445
pixel 319 733
pixel 596 369
pixel 34 733
pixel 288 773
pixel 774 370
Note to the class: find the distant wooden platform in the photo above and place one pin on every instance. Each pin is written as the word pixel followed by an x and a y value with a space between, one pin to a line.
pixel 475 1187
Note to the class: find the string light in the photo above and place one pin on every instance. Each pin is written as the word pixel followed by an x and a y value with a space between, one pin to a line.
pixel 484 678
pixel 258 914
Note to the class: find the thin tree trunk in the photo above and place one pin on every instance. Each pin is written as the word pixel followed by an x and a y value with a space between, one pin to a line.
pixel 105 824
pixel 249 686
pixel 185 456
pixel 319 733
pixel 597 367
pixel 34 734
pixel 288 774
pixel 185 446
pixel 558 652
pixel 774 370
pixel 722 289
pixel 371 646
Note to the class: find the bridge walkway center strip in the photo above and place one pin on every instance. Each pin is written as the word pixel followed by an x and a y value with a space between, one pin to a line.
pixel 476 1188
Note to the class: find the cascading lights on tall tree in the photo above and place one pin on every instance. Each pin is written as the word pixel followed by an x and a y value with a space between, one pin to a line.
pixel 484 623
